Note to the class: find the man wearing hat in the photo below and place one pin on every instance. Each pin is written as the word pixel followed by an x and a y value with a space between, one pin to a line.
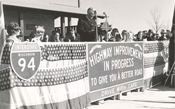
pixel 163 35
pixel 150 35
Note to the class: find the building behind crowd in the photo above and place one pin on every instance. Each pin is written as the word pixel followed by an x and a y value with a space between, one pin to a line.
pixel 39 12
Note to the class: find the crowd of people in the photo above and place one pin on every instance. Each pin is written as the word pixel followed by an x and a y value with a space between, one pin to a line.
pixel 87 30
pixel 127 36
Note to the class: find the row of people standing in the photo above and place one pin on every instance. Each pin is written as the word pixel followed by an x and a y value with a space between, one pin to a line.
pixel 115 36
pixel 151 36
pixel 128 36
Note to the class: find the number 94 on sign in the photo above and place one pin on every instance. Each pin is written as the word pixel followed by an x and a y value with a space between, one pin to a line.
pixel 25 63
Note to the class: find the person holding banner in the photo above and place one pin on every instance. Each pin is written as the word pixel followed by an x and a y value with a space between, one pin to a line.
pixel 87 26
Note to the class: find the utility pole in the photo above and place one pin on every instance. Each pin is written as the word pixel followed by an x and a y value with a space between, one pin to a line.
pixel 79 3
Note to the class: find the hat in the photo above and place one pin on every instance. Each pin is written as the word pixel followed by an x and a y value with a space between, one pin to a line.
pixel 163 31
pixel 150 31
pixel 115 29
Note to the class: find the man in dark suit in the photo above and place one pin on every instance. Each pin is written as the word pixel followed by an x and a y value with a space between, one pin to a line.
pixel 87 26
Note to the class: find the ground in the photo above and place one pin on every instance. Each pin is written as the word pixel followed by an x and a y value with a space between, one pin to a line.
pixel 159 97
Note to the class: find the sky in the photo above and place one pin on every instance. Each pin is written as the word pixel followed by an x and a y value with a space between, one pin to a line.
pixel 132 15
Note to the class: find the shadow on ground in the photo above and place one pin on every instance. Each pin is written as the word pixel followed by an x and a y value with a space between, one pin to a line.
pixel 161 88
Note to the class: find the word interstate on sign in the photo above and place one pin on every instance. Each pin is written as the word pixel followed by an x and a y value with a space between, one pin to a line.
pixel 26 47
pixel 115 77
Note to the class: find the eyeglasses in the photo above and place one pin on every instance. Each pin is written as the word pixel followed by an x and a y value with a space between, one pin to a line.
pixel 17 29
pixel 40 32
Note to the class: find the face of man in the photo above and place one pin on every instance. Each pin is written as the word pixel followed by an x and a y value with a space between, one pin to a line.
pixel 115 32
pixel 90 13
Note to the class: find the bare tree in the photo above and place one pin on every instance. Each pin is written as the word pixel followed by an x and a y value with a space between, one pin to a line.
pixel 167 25
pixel 155 21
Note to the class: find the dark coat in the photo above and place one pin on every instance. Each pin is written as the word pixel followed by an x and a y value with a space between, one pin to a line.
pixel 84 29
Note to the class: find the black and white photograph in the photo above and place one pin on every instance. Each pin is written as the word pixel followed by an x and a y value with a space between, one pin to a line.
pixel 87 54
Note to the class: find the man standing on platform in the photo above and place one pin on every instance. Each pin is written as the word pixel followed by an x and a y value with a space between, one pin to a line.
pixel 87 26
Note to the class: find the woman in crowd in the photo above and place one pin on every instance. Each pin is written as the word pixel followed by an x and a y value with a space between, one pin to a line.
pixel 39 35
pixel 150 35
pixel 130 36
pixel 127 36
pixel 169 34
pixel 13 31
pixel 144 35
pixel 124 36
pixel 163 35
pixel 115 36
pixel 140 36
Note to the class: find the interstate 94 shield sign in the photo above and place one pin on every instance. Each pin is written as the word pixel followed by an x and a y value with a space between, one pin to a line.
pixel 25 59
